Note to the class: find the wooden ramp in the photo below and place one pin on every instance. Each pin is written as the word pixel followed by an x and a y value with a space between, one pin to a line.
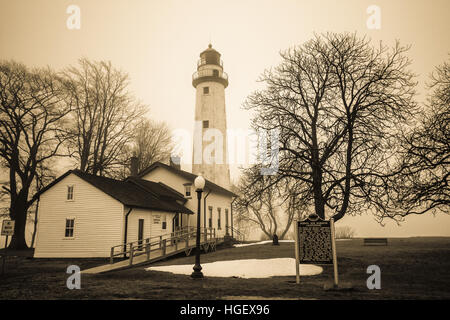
pixel 157 248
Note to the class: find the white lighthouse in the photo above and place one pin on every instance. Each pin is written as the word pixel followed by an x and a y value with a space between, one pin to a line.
pixel 210 156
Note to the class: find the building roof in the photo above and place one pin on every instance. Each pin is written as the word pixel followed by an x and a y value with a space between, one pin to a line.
pixel 133 192
pixel 188 176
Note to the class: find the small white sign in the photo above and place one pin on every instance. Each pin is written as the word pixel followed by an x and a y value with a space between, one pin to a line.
pixel 8 227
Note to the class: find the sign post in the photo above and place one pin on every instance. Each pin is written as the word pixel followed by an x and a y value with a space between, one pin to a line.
pixel 7 230
pixel 333 244
pixel 315 244
pixel 297 256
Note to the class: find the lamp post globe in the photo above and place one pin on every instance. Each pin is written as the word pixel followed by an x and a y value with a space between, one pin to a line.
pixel 199 184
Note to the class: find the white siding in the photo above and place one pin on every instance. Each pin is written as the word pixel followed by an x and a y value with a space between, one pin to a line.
pixel 98 218
pixel 214 199
pixel 151 229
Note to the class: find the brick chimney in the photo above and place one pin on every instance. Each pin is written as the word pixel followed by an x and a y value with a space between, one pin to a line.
pixel 134 166
pixel 175 162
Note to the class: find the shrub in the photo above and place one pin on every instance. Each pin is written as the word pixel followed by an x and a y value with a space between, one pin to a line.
pixel 345 232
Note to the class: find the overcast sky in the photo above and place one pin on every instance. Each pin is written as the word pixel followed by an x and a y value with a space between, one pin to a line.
pixel 158 42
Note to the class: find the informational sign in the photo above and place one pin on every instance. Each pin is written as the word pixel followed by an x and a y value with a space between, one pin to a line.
pixel 315 242
pixel 156 218
pixel 8 227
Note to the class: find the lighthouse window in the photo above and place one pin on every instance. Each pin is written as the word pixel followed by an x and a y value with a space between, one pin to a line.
pixel 205 90
pixel 205 124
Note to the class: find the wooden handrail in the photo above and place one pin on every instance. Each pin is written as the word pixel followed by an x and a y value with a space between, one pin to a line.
pixel 236 232
pixel 138 247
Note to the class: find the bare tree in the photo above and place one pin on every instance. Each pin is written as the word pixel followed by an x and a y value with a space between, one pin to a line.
pixel 271 207
pixel 345 232
pixel 338 103
pixel 152 141
pixel 32 110
pixel 104 118
pixel 423 185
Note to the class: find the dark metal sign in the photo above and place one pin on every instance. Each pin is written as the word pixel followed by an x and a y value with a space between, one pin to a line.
pixel 315 243
pixel 314 237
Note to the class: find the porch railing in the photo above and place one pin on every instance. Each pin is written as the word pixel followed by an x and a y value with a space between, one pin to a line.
pixel 236 234
pixel 161 242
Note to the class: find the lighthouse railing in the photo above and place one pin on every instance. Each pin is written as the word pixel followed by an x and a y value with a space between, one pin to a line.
pixel 202 62
pixel 209 73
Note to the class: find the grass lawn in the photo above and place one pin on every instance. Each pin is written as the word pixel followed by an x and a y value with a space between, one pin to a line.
pixel 411 268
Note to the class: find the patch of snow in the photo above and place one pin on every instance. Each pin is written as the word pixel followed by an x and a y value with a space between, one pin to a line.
pixel 250 268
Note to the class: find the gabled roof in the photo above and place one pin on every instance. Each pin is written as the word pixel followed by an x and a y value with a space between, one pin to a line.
pixel 132 192
pixel 159 189
pixel 188 176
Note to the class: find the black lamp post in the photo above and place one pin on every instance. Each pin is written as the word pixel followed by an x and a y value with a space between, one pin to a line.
pixel 199 184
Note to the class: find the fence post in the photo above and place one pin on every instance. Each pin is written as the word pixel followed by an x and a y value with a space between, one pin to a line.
pixel 187 240
pixel 131 254
pixel 111 259
pixel 160 240
pixel 164 247
pixel 176 243
pixel 147 248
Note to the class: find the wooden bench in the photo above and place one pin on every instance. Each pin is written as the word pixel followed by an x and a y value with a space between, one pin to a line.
pixel 375 241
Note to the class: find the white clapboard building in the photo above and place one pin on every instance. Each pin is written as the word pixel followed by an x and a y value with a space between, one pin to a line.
pixel 82 215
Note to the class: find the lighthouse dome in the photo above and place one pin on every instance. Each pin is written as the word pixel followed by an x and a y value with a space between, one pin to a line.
pixel 210 68
pixel 210 56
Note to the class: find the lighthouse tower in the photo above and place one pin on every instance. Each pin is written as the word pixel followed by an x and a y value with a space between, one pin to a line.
pixel 210 157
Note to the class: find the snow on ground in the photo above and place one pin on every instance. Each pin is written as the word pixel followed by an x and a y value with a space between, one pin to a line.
pixel 250 268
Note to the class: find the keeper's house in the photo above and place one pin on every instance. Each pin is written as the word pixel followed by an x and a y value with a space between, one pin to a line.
pixel 83 216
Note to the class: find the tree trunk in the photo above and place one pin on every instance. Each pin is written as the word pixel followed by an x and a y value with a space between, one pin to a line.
pixel 35 224
pixel 18 212
pixel 319 204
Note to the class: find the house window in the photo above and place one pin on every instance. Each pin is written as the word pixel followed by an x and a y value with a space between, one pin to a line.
pixel 226 219
pixel 187 190
pixel 210 216
pixel 69 228
pixel 69 192
pixel 205 90
pixel 219 219
pixel 164 222
pixel 205 124
pixel 140 233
